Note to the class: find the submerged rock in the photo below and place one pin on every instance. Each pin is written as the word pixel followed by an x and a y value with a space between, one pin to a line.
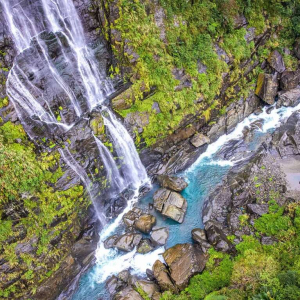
pixel 174 183
pixel 184 261
pixel 199 140
pixel 145 223
pixel 267 87
pixel 170 204
pixel 160 235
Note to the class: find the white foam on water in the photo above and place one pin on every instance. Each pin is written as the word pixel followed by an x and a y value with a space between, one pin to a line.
pixel 270 121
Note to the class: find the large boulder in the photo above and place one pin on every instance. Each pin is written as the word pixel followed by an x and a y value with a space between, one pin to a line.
pixel 199 140
pixel 289 80
pixel 184 261
pixel 170 204
pixel 128 241
pixel 276 61
pixel 128 294
pixel 174 183
pixel 130 217
pixel 289 98
pixel 162 277
pixel 267 87
pixel 145 223
pixel 110 242
pixel 159 236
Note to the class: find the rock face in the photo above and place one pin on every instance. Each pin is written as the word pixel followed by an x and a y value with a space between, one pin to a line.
pixel 199 140
pixel 184 261
pixel 289 98
pixel 174 183
pixel 145 223
pixel 289 80
pixel 258 209
pixel 159 236
pixel 276 61
pixel 267 87
pixel 199 237
pixel 162 277
pixel 170 204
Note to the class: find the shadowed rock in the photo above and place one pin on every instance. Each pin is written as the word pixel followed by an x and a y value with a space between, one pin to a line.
pixel 267 87
pixel 276 61
pixel 184 261
pixel 162 277
pixel 128 241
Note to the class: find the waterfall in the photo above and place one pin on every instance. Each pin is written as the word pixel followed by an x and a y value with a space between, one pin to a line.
pixel 56 80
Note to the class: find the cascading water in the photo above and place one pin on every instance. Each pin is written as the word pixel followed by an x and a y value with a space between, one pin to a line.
pixel 56 80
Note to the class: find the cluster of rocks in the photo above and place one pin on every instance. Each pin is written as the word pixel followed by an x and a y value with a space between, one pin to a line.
pixel 138 223
pixel 167 199
pixel 277 80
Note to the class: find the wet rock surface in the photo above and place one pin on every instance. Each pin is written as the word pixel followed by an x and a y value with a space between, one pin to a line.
pixel 174 183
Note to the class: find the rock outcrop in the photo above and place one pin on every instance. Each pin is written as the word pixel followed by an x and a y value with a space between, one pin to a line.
pixel 174 183
pixel 170 204
pixel 267 87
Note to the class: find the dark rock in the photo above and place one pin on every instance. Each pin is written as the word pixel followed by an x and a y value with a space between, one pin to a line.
pixel 289 98
pixel 144 246
pixel 199 140
pixel 267 240
pixel 297 49
pixel 267 87
pixel 174 183
pixel 110 242
pixel 145 223
pixel 162 277
pixel 199 237
pixel 170 204
pixel 184 261
pixel 258 209
pixel 136 121
pixel 159 236
pixel 276 61
pixel 128 241
pixel 289 80
pixel 217 237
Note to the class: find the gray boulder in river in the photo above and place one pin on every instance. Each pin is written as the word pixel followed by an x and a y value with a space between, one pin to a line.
pixel 174 183
pixel 170 204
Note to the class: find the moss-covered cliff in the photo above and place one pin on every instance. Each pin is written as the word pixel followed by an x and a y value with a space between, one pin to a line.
pixel 191 58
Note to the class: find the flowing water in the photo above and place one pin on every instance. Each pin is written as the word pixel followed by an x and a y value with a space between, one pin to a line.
pixel 50 42
pixel 203 176
pixel 76 81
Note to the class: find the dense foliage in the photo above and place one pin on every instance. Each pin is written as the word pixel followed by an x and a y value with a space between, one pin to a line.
pixel 258 272
pixel 33 214
pixel 205 40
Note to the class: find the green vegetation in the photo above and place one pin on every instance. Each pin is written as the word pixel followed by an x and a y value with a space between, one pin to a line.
pixel 257 272
pixel 193 36
pixel 34 215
